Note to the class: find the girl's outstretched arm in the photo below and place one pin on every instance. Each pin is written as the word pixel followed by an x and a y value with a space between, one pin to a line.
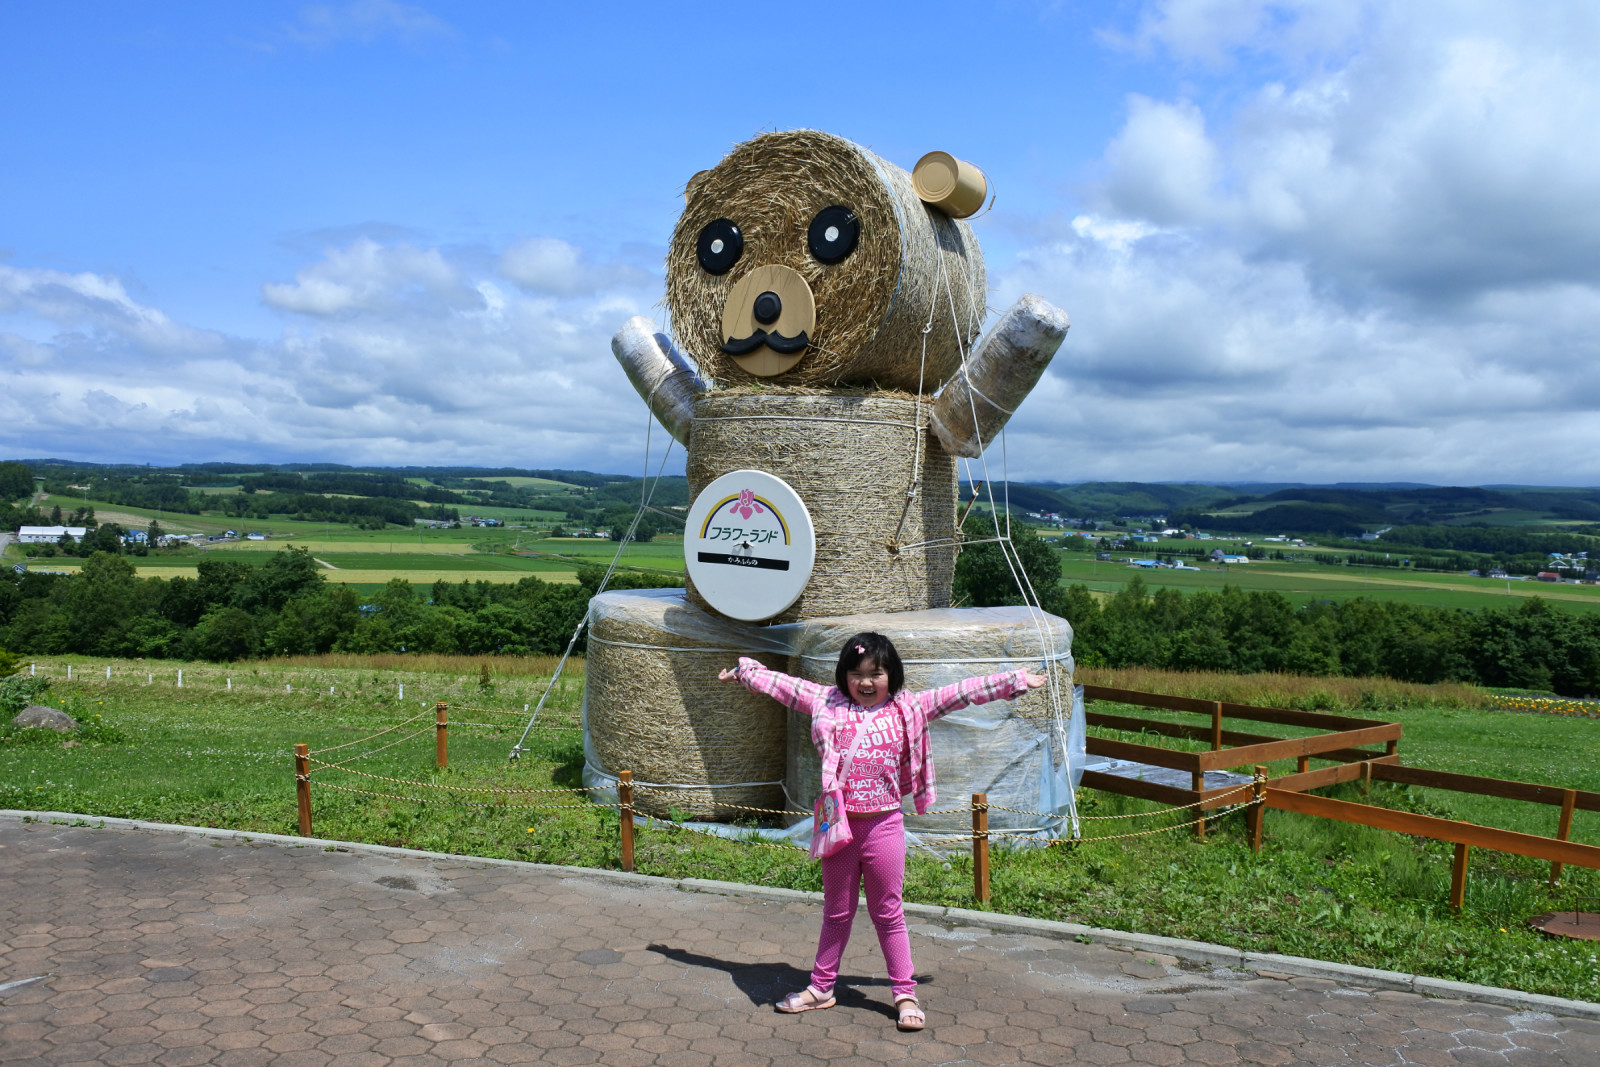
pixel 1006 685
pixel 791 692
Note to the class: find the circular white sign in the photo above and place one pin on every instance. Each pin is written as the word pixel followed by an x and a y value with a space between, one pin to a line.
pixel 749 545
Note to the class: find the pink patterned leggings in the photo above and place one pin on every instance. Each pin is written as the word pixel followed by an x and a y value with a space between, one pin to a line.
pixel 877 850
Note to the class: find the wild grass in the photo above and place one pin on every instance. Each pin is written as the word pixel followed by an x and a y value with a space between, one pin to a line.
pixel 1304 692
pixel 204 755
pixel 431 663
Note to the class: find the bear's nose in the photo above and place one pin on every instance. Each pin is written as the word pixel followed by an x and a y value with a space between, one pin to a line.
pixel 767 308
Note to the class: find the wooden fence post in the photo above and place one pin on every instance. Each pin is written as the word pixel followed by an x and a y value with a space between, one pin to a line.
pixel 441 728
pixel 625 801
pixel 1458 878
pixel 1569 800
pixel 980 847
pixel 1366 778
pixel 1198 781
pixel 1216 727
pixel 302 786
pixel 1257 815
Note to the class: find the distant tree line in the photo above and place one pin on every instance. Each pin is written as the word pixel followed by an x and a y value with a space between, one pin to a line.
pixel 1532 646
pixel 282 606
pixel 235 609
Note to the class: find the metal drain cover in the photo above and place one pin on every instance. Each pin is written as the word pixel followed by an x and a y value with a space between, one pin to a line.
pixel 1582 925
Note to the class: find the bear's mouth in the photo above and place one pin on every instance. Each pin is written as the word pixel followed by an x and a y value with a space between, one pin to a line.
pixel 739 346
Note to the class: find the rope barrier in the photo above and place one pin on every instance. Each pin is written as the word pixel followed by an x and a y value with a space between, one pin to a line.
pixel 380 748
pixel 467 803
pixel 380 733
pixel 457 788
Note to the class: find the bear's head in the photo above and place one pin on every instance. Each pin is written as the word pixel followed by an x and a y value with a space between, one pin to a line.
pixel 805 259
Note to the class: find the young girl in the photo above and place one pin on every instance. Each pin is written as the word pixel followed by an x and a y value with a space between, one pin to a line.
pixel 892 758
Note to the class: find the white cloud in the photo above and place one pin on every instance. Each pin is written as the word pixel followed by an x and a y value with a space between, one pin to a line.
pixel 551 265
pixel 391 354
pixel 1383 266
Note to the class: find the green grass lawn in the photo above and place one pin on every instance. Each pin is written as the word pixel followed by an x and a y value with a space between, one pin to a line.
pixel 206 756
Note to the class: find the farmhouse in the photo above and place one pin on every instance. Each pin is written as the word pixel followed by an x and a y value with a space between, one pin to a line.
pixel 40 535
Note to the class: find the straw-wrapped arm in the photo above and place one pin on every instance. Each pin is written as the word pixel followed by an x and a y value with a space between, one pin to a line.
pixel 661 375
pixel 1004 367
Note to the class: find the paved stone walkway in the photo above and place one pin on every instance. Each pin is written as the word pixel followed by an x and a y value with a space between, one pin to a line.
pixel 173 949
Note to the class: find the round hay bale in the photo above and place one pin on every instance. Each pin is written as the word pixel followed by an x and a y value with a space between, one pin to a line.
pixel 653 705
pixel 851 456
pixel 910 261
pixel 1009 749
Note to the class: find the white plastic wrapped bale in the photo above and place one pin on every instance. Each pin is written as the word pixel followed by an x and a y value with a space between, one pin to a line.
pixel 653 705
pixel 1025 753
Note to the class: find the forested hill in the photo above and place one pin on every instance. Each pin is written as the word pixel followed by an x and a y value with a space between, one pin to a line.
pixel 1301 509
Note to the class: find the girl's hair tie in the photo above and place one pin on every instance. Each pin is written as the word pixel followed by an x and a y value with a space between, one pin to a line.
pixel 861 649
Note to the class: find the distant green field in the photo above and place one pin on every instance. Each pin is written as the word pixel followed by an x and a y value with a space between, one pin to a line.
pixel 1303 583
pixel 522 483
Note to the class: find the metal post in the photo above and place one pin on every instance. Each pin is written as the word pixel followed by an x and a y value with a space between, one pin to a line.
pixel 441 726
pixel 302 786
pixel 625 801
pixel 980 847
pixel 1569 800
pixel 1458 878
pixel 1257 814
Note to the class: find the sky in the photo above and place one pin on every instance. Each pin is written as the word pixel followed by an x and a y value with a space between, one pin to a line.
pixel 1298 240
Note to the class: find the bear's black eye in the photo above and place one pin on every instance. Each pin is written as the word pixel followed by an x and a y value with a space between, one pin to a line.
pixel 833 233
pixel 719 246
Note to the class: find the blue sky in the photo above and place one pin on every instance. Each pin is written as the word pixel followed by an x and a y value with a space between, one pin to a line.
pixel 1298 241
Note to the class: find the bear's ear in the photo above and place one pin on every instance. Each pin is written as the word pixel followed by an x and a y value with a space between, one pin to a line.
pixel 689 186
pixel 952 185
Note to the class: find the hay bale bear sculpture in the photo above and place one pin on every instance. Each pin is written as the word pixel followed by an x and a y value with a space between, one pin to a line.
pixel 832 303
pixel 826 304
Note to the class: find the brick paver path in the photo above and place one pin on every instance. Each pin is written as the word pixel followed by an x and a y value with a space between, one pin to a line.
pixel 173 949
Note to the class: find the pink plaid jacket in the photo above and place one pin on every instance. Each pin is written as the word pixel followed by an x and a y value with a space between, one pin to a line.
pixel 916 711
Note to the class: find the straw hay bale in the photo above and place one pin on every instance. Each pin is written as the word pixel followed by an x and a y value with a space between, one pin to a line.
pixel 911 260
pixel 996 748
pixel 653 705
pixel 981 398
pixel 851 456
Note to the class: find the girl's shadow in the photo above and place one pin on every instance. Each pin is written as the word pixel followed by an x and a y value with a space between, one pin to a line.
pixel 767 983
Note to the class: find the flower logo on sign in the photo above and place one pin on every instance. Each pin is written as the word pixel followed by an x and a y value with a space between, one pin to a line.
pixel 747 505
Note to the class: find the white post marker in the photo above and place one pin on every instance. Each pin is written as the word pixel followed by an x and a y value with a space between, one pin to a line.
pixel 149 679
pixel 230 685
pixel 180 677
pixel 69 672
pixel 108 672
pixel 402 691
pixel 285 687
pixel 749 545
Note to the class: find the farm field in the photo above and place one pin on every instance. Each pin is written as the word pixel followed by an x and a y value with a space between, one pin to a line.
pixel 209 755
pixel 368 559
pixel 1303 583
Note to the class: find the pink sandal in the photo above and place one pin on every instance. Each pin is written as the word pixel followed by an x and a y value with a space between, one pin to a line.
pixel 911 1017
pixel 808 999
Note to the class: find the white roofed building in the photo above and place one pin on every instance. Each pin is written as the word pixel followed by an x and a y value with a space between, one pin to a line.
pixel 38 535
